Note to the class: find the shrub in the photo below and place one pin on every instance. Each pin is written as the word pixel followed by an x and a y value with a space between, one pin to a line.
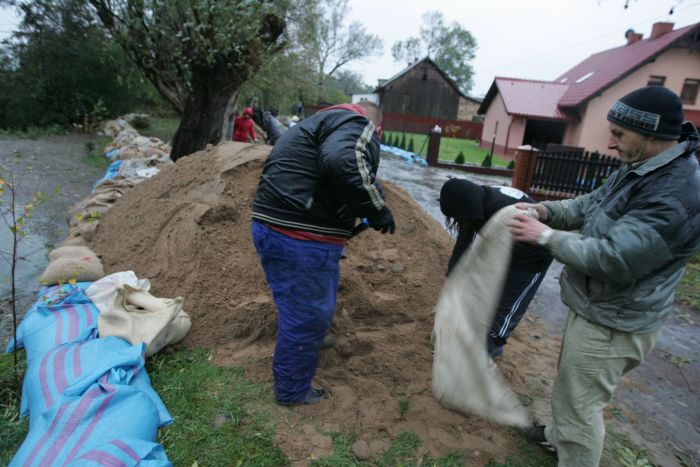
pixel 403 141
pixel 460 158
pixel 511 165
pixel 140 122
pixel 410 146
pixel 487 160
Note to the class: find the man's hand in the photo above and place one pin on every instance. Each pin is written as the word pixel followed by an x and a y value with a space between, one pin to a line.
pixel 525 228
pixel 541 209
pixel 383 221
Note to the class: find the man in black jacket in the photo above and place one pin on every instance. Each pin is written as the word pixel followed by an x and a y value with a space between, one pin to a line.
pixel 468 207
pixel 319 178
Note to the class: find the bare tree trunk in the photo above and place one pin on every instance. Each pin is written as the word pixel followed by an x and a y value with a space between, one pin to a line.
pixel 227 129
pixel 203 119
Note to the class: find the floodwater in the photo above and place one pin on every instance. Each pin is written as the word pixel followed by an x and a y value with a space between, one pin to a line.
pixel 660 400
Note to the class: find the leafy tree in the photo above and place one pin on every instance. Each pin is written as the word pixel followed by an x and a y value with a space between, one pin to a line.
pixel 197 53
pixel 60 68
pixel 332 44
pixel 450 46
pixel 488 160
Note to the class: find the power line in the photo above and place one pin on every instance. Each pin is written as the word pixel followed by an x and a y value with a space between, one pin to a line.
pixel 534 57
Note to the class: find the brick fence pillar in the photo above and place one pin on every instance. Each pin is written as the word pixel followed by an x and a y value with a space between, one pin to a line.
pixel 525 162
pixel 434 146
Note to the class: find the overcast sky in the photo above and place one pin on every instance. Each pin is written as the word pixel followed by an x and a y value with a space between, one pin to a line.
pixel 534 39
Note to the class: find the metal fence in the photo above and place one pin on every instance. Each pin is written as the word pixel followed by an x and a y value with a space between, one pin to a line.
pixel 571 173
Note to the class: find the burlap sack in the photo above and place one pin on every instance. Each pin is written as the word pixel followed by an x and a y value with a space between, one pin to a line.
pixel 138 316
pixel 74 241
pixel 84 268
pixel 464 378
pixel 70 252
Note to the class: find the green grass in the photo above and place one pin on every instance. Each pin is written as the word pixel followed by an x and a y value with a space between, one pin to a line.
pixel 449 148
pixel 620 450
pixel 12 428
pixel 162 127
pixel 197 393
pixel 34 132
pixel 402 453
pixel 688 291
pixel 529 454
pixel 94 152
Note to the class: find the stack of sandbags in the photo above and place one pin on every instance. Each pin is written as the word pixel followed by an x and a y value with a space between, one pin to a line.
pixel 72 263
pixel 141 147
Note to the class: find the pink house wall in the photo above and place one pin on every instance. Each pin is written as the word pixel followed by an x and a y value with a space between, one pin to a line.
pixel 504 127
pixel 676 65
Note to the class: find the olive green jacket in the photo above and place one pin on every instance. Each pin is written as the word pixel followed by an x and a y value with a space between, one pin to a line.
pixel 637 233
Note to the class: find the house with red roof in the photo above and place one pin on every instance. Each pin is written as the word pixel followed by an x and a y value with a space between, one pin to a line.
pixel 571 110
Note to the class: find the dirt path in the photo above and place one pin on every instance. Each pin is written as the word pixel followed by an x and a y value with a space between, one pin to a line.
pixel 46 164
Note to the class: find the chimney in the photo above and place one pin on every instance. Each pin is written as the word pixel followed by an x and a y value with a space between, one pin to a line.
pixel 660 28
pixel 632 36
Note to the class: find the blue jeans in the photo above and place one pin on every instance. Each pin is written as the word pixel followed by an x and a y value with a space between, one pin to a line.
pixel 303 276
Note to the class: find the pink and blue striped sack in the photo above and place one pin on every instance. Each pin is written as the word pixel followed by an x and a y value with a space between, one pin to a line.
pixel 45 326
pixel 85 419
pixel 83 362
pixel 124 452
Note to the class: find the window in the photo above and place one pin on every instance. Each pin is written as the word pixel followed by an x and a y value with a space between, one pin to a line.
pixel 690 91
pixel 656 80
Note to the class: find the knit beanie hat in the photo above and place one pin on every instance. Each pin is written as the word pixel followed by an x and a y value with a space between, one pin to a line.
pixel 462 199
pixel 653 111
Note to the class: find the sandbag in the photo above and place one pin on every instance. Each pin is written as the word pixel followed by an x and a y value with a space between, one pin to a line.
pixel 464 378
pixel 78 423
pixel 138 316
pixel 82 268
pixel 124 452
pixel 74 241
pixel 102 292
pixel 50 324
pixel 70 252
pixel 82 363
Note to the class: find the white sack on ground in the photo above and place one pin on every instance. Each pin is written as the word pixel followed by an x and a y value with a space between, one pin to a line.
pixel 101 292
pixel 138 316
pixel 463 377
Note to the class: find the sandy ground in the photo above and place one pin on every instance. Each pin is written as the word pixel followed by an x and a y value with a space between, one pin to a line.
pixel 187 230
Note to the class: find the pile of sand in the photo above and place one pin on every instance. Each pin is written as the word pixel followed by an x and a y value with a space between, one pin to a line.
pixel 188 231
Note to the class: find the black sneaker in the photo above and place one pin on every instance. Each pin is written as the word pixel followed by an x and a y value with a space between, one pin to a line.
pixel 313 396
pixel 536 433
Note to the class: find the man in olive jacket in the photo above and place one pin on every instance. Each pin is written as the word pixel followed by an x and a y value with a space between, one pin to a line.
pixel 636 234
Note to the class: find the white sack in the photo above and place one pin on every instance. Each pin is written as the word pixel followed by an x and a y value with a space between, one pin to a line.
pixel 102 292
pixel 464 378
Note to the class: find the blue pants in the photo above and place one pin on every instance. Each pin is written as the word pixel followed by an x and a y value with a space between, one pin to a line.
pixel 518 292
pixel 303 276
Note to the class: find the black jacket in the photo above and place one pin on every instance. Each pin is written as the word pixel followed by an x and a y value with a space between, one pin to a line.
pixel 321 175
pixel 525 257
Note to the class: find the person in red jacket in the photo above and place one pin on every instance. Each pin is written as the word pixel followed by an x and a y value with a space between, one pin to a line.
pixel 243 127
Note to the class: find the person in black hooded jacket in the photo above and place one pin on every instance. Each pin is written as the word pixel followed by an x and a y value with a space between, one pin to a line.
pixel 318 180
pixel 467 207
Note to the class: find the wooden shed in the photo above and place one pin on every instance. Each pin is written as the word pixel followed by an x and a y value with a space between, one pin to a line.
pixel 423 89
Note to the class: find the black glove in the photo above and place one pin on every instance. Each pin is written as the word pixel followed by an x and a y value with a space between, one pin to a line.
pixel 383 221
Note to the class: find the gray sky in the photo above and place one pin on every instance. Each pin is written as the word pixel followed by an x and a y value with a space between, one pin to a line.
pixel 533 39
